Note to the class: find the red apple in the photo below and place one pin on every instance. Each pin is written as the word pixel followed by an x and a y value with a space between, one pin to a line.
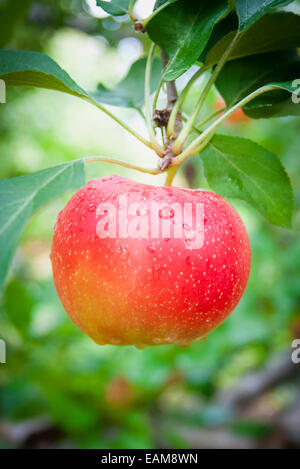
pixel 145 265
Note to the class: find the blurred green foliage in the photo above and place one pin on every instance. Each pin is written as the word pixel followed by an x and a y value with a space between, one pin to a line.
pixel 118 397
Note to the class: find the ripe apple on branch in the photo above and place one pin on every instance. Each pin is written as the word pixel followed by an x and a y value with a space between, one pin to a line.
pixel 141 287
pixel 123 276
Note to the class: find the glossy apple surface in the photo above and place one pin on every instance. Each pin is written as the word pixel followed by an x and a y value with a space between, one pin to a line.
pixel 123 282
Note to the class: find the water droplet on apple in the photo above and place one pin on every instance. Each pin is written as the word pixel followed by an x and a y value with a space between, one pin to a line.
pixel 156 271
pixel 91 208
pixel 166 213
pixel 188 260
pixel 123 251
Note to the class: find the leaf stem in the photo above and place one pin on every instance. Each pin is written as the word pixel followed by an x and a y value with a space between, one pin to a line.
pixel 157 94
pixel 162 136
pixel 130 10
pixel 204 138
pixel 181 99
pixel 198 126
pixel 149 120
pixel 178 144
pixel 103 159
pixel 140 111
pixel 120 122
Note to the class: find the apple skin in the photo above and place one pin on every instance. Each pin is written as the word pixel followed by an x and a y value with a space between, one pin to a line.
pixel 141 292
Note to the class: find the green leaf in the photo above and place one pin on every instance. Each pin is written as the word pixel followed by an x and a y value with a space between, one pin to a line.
pixel 182 31
pixel 163 2
pixel 114 7
pixel 18 304
pixel 273 32
pixel 221 29
pixel 22 196
pixel 130 91
pixel 263 106
pixel 27 68
pixel 11 18
pixel 264 109
pixel 241 77
pixel 274 104
pixel 250 11
pixel 239 168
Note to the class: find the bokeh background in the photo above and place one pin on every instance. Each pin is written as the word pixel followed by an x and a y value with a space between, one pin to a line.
pixel 239 388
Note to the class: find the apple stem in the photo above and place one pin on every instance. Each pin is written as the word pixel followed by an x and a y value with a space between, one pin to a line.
pixel 171 175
